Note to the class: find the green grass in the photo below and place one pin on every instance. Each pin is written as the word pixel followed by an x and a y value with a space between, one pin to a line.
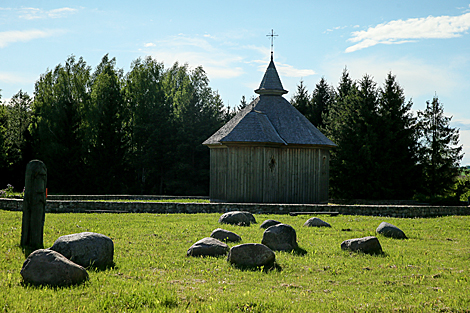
pixel 428 272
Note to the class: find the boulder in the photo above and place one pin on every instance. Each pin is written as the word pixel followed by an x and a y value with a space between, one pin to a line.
pixel 208 247
pixel 316 222
pixel 370 245
pixel 237 218
pixel 251 255
pixel 225 235
pixel 250 216
pixel 268 223
pixel 280 237
pixel 389 230
pixel 48 267
pixel 86 249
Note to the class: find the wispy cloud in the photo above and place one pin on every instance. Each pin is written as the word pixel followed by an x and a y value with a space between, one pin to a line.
pixel 290 71
pixel 418 78
pixel 213 55
pixel 36 13
pixel 12 36
pixel 403 31
pixel 13 78
pixel 197 50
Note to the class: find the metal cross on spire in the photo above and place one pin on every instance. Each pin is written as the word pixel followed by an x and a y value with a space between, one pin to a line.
pixel 272 41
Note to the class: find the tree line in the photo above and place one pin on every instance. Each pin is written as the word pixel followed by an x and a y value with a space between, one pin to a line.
pixel 384 150
pixel 103 131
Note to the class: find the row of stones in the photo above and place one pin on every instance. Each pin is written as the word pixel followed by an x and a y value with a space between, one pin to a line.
pixel 276 237
pixel 146 207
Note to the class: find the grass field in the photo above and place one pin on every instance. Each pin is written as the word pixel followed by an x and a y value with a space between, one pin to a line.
pixel 429 272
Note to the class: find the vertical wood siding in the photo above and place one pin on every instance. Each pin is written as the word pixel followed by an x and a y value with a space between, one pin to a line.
pixel 250 174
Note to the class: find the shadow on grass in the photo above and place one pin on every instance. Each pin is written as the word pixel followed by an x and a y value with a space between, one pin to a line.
pixel 265 269
pixel 299 251
pixel 381 254
pixel 53 287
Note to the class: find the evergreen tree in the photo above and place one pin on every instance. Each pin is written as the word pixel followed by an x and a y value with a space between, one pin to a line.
pixel 322 98
pixel 301 101
pixel 440 153
pixel 354 122
pixel 397 144
pixel 242 104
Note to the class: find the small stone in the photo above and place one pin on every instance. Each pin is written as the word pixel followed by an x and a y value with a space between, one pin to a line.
pixel 316 222
pixel 251 255
pixel 86 249
pixel 280 237
pixel 48 267
pixel 208 247
pixel 268 223
pixel 370 245
pixel 225 235
pixel 389 230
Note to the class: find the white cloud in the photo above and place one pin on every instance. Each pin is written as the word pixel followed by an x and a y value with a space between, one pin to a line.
pixel 12 36
pixel 217 61
pixel 35 13
pixel 13 78
pixel 401 31
pixel 417 78
pixel 290 71
pixel 149 44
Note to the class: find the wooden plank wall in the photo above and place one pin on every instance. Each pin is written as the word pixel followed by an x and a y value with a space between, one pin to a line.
pixel 218 174
pixel 250 174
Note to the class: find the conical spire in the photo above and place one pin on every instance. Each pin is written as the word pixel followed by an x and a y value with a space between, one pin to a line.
pixel 271 83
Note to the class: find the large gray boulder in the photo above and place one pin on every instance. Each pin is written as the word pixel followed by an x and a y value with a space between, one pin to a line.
pixel 251 255
pixel 268 223
pixel 237 218
pixel 225 235
pixel 208 247
pixel 370 245
pixel 389 230
pixel 86 249
pixel 250 216
pixel 280 237
pixel 316 222
pixel 48 267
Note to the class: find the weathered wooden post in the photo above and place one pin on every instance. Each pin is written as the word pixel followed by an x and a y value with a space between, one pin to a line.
pixel 34 205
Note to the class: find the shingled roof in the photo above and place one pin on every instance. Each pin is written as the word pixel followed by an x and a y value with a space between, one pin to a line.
pixel 270 119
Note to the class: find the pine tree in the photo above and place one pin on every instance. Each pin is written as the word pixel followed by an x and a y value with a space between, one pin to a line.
pixel 440 153
pixel 353 123
pixel 397 146
pixel 301 101
pixel 242 104
pixel 322 98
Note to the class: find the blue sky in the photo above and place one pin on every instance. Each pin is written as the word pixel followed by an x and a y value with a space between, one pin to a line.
pixel 426 44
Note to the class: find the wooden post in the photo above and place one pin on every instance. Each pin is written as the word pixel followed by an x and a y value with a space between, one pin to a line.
pixel 34 205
